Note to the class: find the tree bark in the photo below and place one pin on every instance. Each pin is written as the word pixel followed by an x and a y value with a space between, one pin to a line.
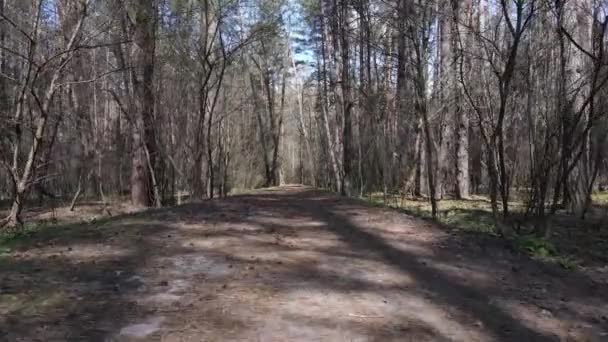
pixel 347 138
pixel 144 130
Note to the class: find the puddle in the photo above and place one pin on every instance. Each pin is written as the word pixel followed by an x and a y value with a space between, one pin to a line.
pixel 142 329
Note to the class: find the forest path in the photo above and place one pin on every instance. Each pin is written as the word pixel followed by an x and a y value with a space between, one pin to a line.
pixel 287 264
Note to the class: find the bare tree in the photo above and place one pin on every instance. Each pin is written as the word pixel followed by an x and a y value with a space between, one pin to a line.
pixel 42 95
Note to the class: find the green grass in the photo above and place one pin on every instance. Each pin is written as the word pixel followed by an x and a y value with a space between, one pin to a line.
pixel 9 239
pixel 544 250
pixel 537 247
pixel 474 216
pixel 471 215
pixel 44 231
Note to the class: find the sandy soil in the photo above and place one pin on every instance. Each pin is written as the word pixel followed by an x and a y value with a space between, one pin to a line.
pixel 287 264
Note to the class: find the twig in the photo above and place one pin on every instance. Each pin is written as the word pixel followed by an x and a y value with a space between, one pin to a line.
pixel 364 316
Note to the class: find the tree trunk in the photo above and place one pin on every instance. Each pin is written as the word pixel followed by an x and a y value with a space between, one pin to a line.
pixel 346 101
pixel 325 103
pixel 23 182
pixel 461 121
pixel 429 163
pixel 144 130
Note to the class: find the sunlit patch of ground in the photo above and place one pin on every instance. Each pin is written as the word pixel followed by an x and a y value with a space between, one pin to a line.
pixel 77 252
pixel 600 198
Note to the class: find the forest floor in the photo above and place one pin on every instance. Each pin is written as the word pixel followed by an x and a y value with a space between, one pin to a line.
pixel 286 264
pixel 575 242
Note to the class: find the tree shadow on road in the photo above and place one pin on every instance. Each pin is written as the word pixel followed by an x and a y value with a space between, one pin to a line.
pixel 80 282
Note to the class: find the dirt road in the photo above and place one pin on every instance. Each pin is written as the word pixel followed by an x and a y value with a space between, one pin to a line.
pixel 287 264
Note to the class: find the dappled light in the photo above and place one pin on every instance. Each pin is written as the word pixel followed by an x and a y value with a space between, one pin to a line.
pixel 304 267
pixel 77 253
pixel 304 170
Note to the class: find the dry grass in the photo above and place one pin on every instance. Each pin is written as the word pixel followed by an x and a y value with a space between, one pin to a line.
pixel 600 198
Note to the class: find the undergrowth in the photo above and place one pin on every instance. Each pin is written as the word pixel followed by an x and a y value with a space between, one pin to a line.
pixel 9 238
pixel 38 230
pixel 475 216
